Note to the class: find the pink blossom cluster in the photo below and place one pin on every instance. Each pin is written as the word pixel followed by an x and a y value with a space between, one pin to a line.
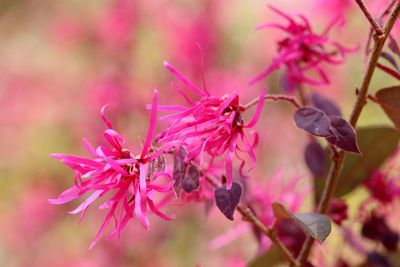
pixel 206 135
pixel 114 168
pixel 210 125
pixel 302 52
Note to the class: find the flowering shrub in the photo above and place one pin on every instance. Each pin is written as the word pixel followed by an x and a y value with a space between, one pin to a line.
pixel 303 51
pixel 213 138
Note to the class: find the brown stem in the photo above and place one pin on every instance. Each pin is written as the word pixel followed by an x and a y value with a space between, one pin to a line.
pixel 383 14
pixel 269 232
pixel 374 25
pixel 287 98
pixel 250 217
pixel 338 159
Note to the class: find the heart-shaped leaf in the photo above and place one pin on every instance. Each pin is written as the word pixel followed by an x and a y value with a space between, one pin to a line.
pixel 380 143
pixel 345 135
pixel 179 169
pixel 325 104
pixel 191 181
pixel 227 200
pixel 377 259
pixel 313 224
pixel 313 120
pixel 315 158
pixel 389 100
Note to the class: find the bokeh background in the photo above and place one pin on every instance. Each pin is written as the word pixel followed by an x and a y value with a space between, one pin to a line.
pixel 61 61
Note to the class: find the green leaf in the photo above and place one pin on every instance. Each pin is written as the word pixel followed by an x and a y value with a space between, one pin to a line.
pixel 377 144
pixel 270 258
pixel 313 224
pixel 389 100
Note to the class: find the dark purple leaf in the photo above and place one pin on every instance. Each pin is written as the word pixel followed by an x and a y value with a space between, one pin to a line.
pixel 325 104
pixel 375 228
pixel 357 169
pixel 393 46
pixel 313 120
pixel 389 100
pixel 313 224
pixel 315 158
pixel 376 259
pixel 390 59
pixel 156 165
pixel 191 181
pixel 390 241
pixel 179 170
pixel 227 200
pixel 344 135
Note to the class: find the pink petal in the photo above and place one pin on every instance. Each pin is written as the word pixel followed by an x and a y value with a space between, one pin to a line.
pixel 152 125
pixel 87 202
pixel 138 211
pixel 103 116
pixel 229 158
pixel 183 79
pixel 226 102
pixel 257 114
pixel 89 147
pixel 110 214
pixel 154 209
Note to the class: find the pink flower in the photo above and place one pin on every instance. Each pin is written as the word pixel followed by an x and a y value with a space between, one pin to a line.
pixel 337 211
pixel 334 7
pixel 211 125
pixel 277 190
pixel 116 169
pixel 302 52
pixel 382 188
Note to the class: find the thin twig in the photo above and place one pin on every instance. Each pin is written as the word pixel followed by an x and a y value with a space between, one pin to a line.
pixel 287 98
pixel 250 217
pixel 338 160
pixel 383 14
pixel 269 232
pixel 374 24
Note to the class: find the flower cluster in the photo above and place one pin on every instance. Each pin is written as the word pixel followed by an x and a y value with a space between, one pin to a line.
pixel 133 179
pixel 211 125
pixel 207 135
pixel 302 52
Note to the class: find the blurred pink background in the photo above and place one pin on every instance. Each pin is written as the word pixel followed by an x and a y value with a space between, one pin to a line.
pixel 61 61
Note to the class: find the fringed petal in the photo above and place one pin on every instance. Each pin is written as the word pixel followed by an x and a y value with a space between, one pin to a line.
pixel 103 116
pixel 110 214
pixel 152 125
pixel 87 202
pixel 229 160
pixel 183 79
pixel 157 212
pixel 258 111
